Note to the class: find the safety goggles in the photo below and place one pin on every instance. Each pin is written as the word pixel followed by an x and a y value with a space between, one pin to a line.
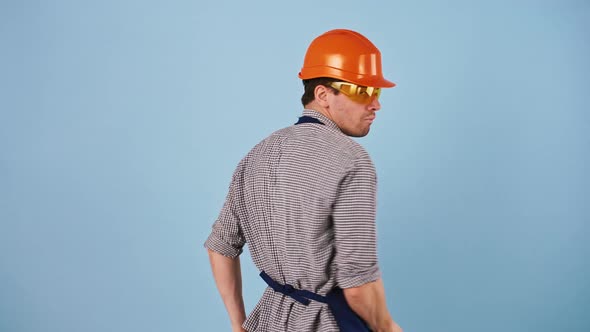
pixel 358 93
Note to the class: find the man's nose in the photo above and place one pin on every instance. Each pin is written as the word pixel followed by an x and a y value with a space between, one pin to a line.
pixel 375 105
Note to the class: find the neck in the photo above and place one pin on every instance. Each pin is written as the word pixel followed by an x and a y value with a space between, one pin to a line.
pixel 324 111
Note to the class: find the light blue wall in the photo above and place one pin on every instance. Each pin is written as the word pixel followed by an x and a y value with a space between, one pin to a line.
pixel 122 121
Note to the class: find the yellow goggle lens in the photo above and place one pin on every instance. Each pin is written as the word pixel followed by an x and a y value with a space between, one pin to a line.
pixel 358 93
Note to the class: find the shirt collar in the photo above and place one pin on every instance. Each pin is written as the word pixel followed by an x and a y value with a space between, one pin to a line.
pixel 327 122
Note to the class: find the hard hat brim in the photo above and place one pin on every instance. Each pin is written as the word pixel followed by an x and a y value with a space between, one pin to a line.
pixel 373 81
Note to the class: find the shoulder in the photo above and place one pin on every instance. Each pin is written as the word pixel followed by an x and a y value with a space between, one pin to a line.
pixel 351 149
pixel 331 146
pixel 273 140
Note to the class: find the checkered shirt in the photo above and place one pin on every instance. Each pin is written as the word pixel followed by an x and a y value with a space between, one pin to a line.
pixel 304 201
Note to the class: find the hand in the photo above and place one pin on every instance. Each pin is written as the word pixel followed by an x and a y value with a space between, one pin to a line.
pixel 396 328
pixel 238 329
pixel 391 327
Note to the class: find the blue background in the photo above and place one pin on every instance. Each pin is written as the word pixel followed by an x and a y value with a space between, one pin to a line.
pixel 122 121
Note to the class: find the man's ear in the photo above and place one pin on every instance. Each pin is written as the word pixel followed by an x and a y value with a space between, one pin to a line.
pixel 321 95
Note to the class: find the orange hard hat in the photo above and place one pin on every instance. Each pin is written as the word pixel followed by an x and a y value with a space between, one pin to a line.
pixel 345 55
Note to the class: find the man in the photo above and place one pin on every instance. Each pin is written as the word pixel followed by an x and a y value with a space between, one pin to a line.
pixel 304 200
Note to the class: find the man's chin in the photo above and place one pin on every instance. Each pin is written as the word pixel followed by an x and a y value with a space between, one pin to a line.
pixel 359 134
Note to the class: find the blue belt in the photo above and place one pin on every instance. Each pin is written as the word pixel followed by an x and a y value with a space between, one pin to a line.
pixel 347 320
pixel 300 295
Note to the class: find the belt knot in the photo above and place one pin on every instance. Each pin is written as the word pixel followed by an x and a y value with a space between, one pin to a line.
pixel 288 288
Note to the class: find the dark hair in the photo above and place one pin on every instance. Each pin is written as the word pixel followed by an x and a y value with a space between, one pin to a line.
pixel 310 85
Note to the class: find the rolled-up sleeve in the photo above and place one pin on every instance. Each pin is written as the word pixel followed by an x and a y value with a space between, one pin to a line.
pixel 226 237
pixel 354 226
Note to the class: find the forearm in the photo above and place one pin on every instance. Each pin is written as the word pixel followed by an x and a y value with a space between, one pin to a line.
pixel 228 278
pixel 368 301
